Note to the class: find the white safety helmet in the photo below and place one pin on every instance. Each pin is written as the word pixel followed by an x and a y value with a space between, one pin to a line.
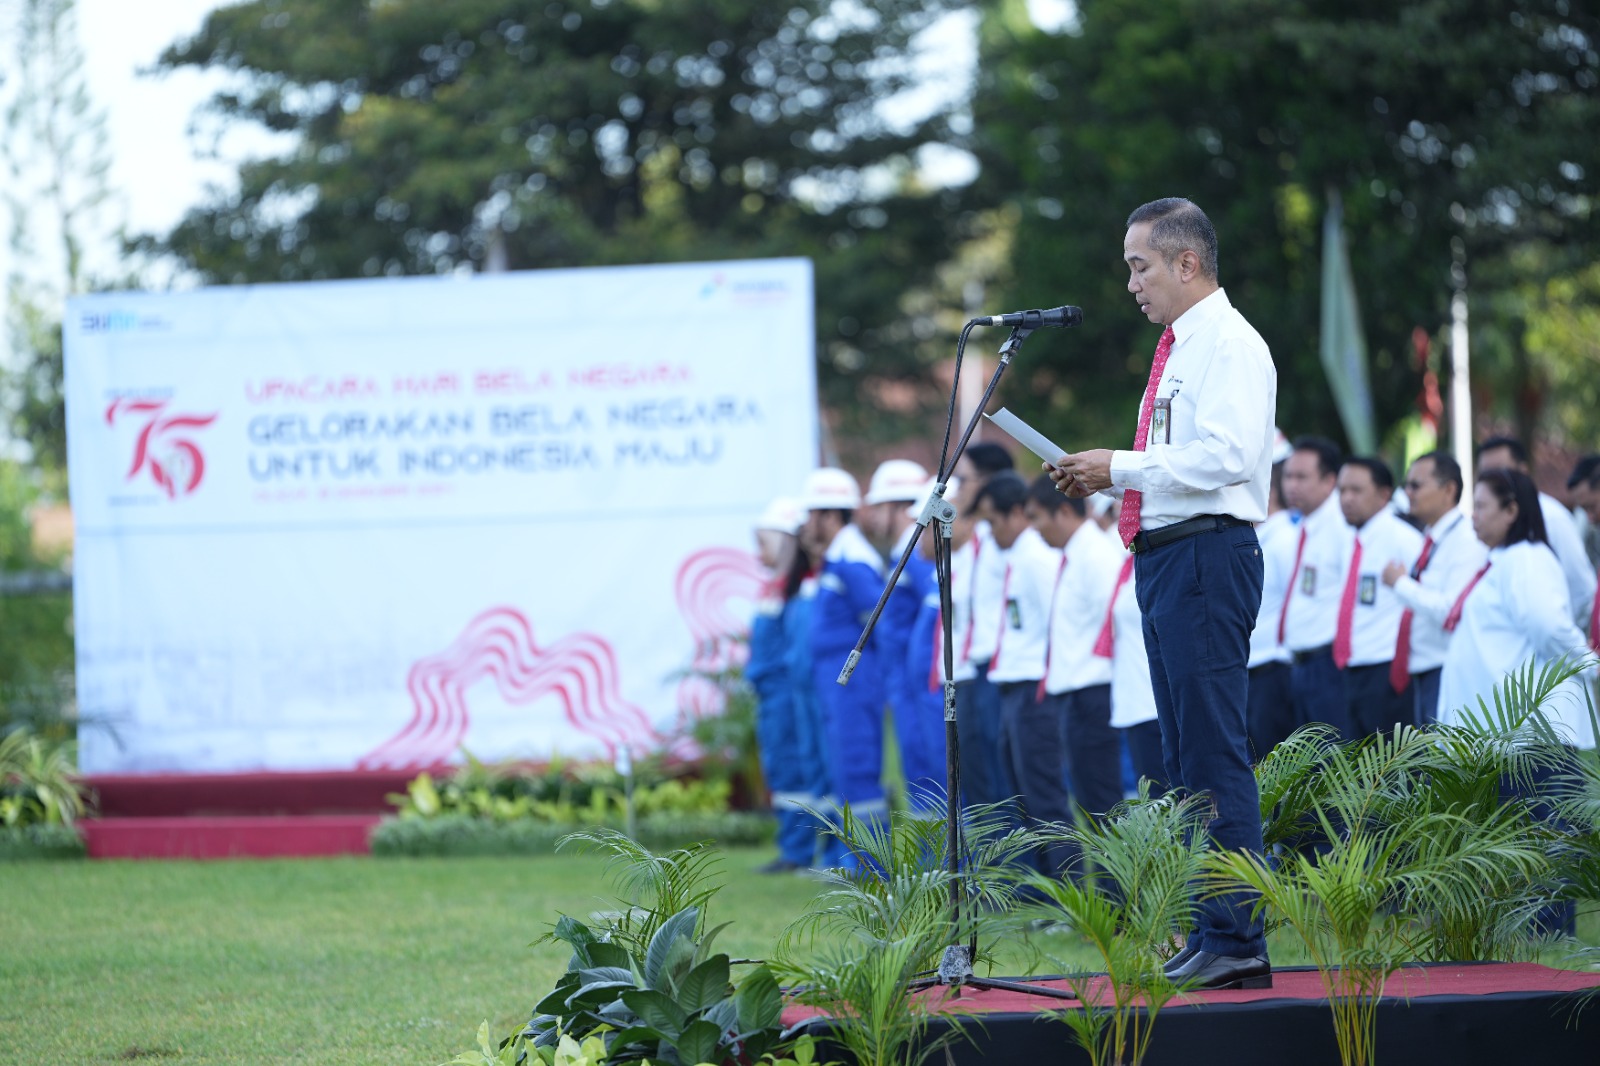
pixel 830 489
pixel 783 514
pixel 896 479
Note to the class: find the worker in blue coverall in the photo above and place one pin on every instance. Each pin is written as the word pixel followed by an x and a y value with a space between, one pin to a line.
pixel 786 725
pixel 849 581
pixel 888 518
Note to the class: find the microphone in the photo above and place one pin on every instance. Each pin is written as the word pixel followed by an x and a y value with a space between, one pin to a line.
pixel 1055 317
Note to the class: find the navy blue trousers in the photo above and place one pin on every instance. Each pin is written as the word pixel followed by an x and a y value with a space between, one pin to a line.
pixel 1093 749
pixel 1144 748
pixel 984 777
pixel 1030 741
pixel 1372 703
pixel 1318 688
pixel 1425 696
pixel 1200 597
pixel 1271 708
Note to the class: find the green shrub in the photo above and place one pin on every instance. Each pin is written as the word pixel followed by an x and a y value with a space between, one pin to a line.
pixel 465 834
pixel 38 781
pixel 560 793
pixel 42 841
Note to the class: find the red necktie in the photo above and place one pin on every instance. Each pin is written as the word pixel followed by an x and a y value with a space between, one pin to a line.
pixel 1128 523
pixel 1400 668
pixel 1594 621
pixel 1105 643
pixel 1347 610
pixel 1050 618
pixel 1299 553
pixel 1453 619
pixel 938 651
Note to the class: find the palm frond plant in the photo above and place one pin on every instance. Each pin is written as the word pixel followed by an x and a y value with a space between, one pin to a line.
pixel 653 888
pixel 1150 854
pixel 1396 865
pixel 903 874
pixel 863 943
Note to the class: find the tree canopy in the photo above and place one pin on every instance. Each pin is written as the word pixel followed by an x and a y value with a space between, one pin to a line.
pixel 484 133
pixel 1458 133
pixel 530 133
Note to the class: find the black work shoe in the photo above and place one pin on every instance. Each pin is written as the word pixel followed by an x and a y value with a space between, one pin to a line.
pixel 777 866
pixel 1208 970
pixel 1174 964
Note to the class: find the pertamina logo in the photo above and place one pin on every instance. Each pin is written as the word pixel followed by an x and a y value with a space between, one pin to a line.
pixel 164 447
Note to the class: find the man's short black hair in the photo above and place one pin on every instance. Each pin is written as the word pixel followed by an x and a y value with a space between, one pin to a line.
pixel 1330 457
pixel 1518 450
pixel 1586 470
pixel 1382 476
pixel 988 458
pixel 1006 492
pixel 1177 226
pixel 1044 493
pixel 1446 471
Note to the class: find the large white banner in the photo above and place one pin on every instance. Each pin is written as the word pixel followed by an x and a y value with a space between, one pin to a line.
pixel 366 524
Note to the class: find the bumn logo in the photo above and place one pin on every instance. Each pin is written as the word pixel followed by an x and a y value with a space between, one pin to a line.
pixel 174 461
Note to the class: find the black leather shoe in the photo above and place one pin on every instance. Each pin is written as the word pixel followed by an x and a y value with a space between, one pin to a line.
pixel 1208 970
pixel 1172 965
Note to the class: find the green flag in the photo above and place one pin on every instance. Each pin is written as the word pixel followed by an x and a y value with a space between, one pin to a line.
pixel 1344 348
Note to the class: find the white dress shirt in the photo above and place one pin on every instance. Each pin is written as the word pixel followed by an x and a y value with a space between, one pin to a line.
pixel 1518 612
pixel 1081 599
pixel 961 570
pixel 1562 530
pixel 1457 555
pixel 1133 698
pixel 988 576
pixel 1023 617
pixel 1375 622
pixel 1318 582
pixel 1223 389
pixel 1278 535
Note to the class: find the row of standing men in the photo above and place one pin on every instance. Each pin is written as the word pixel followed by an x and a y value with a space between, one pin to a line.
pixel 1371 616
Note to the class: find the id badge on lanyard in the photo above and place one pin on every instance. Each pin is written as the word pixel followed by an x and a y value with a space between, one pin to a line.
pixel 1161 421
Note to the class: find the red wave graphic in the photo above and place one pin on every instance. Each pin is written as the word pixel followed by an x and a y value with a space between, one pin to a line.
pixel 709 585
pixel 498 644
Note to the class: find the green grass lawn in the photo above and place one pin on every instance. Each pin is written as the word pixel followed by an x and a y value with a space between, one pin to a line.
pixel 337 961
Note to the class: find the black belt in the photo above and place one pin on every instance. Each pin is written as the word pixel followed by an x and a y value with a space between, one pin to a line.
pixel 1310 653
pixel 1144 540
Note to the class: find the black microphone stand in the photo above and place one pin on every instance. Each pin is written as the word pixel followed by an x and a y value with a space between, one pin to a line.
pixel 955 967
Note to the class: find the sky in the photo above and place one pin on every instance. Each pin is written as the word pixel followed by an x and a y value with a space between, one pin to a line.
pixel 160 169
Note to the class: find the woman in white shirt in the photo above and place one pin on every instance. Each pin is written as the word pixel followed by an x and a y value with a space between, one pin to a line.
pixel 1516 611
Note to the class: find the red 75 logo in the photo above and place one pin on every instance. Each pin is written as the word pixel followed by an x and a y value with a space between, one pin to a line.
pixel 175 462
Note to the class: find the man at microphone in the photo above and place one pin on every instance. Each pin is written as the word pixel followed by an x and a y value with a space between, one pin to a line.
pixel 1192 485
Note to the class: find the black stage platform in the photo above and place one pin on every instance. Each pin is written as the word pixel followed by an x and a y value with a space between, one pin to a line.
pixel 1458 1014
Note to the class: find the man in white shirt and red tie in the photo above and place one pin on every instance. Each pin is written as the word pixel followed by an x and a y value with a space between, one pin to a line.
pixel 1429 584
pixel 979 571
pixel 1368 621
pixel 1310 613
pixel 1270 715
pixel 1192 488
pixel 1030 734
pixel 1077 682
